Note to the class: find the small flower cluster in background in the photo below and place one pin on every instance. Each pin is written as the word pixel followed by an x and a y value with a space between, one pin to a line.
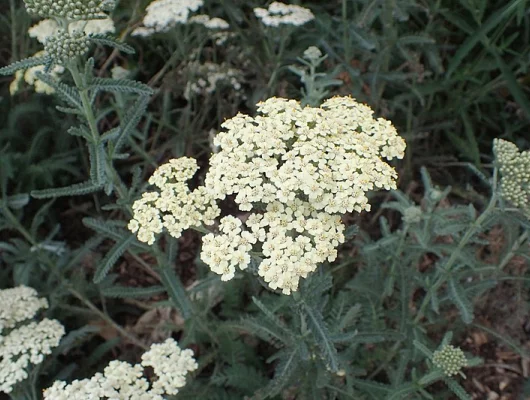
pixel 23 342
pixel 121 380
pixel 515 170
pixel 209 76
pixel 284 14
pixel 304 166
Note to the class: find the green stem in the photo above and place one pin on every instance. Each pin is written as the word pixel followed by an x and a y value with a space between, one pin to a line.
pixel 85 101
pixel 518 243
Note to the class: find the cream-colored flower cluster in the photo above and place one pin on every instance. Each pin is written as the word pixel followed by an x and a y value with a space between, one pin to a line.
pixel 283 14
pixel 296 170
pixel 209 76
pixel 328 156
pixel 515 170
pixel 294 238
pixel 163 15
pixel 171 364
pixel 121 380
pixel 174 206
pixel 49 27
pixel 208 22
pixel 23 342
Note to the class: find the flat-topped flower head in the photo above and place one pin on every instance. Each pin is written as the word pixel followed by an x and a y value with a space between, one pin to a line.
pixel 515 170
pixel 23 342
pixel 121 380
pixel 163 15
pixel 19 304
pixel 284 14
pixel 328 157
pixel 72 10
pixel 173 206
pixel 65 47
pixel 449 359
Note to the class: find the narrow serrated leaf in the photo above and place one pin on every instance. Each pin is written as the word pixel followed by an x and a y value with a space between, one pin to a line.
pixel 176 291
pixel 132 292
pixel 459 298
pixel 24 64
pixel 111 257
pixel 322 336
pixel 120 86
pixel 110 41
pixel 78 189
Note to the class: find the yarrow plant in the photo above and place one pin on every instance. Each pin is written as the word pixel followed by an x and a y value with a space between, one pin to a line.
pixel 23 342
pixel 295 171
pixel 122 380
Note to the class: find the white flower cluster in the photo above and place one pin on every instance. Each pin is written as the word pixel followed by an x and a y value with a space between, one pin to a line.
pixel 328 156
pixel 304 166
pixel 121 380
pixel 210 23
pixel 163 15
pixel 515 170
pixel 283 14
pixel 208 76
pixel 19 304
pixel 171 364
pixel 26 344
pixel 294 238
pixel 49 27
pixel 174 207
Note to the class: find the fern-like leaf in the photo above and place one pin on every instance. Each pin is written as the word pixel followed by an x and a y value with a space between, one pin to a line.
pixel 321 334
pixel 110 41
pixel 110 229
pixel 458 390
pixel 24 64
pixel 67 93
pixel 120 86
pixel 78 189
pixel 129 121
pixel 132 292
pixel 176 291
pixel 273 318
pixel 111 257
pixel 459 298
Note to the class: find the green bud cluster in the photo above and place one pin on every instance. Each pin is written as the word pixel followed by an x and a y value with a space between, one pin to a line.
pixel 70 9
pixel 412 215
pixel 64 46
pixel 515 170
pixel 449 359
